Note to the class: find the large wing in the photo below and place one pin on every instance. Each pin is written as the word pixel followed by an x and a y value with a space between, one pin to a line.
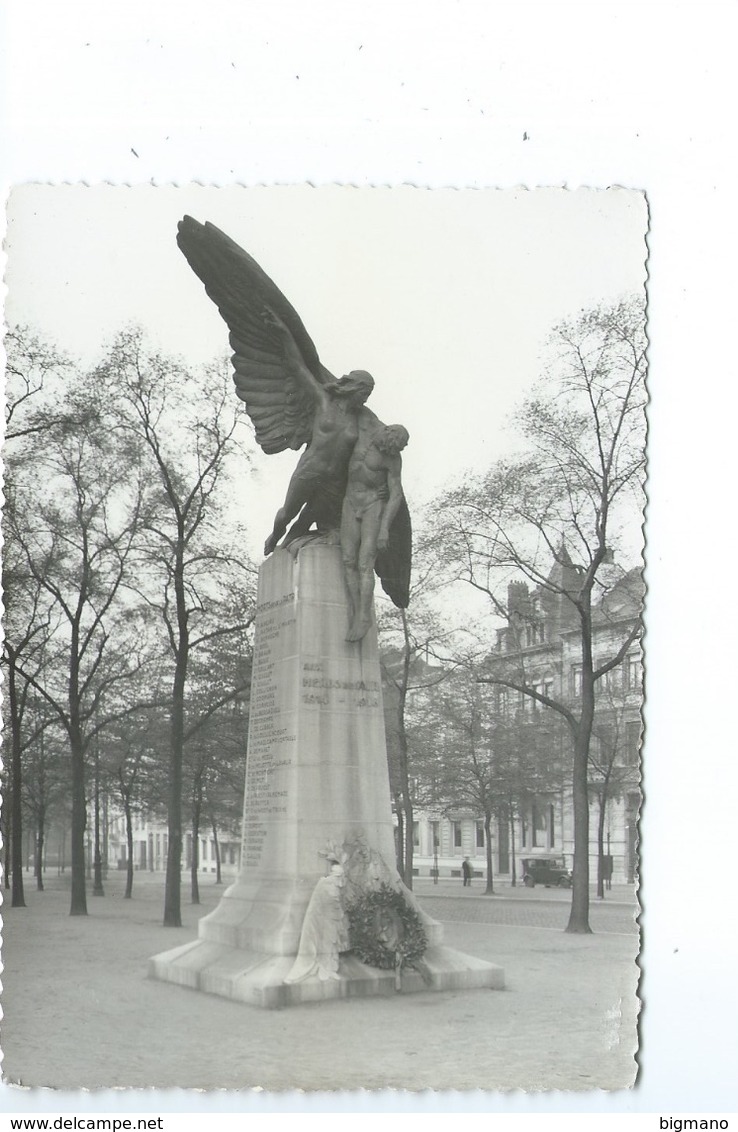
pixel 393 564
pixel 281 409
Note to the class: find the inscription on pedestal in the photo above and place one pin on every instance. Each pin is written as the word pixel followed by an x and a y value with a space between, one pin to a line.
pixel 325 685
pixel 270 735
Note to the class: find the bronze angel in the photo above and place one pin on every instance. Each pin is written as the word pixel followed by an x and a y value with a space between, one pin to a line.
pixel 348 477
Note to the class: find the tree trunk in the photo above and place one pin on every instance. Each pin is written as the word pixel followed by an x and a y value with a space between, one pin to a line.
pixel 129 844
pixel 402 741
pixel 105 834
pixel 79 824
pixel 77 758
pixel 7 837
pixel 218 879
pixel 488 845
pixel 195 862
pixel 409 842
pixel 579 915
pixel 172 890
pixel 513 858
pixel 40 822
pixel 601 843
pixel 16 818
pixel 97 887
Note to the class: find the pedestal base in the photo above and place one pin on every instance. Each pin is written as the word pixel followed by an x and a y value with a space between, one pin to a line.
pixel 248 976
pixel 316 782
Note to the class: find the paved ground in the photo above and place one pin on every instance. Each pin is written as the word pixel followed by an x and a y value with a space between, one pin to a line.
pixel 80 1012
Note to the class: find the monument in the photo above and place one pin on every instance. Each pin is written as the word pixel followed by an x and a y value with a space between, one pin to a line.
pixel 318 910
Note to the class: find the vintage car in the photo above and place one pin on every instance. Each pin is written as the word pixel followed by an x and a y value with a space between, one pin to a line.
pixel 549 871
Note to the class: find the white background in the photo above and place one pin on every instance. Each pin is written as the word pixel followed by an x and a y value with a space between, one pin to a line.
pixel 468 94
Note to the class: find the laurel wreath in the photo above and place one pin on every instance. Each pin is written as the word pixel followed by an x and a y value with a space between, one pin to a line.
pixel 363 913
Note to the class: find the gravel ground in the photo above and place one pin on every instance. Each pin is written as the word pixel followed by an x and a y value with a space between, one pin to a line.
pixel 80 1011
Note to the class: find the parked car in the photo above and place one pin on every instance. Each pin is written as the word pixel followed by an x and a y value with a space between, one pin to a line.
pixel 549 871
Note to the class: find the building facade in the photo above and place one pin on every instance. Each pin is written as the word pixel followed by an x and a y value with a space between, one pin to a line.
pixel 540 646
pixel 151 844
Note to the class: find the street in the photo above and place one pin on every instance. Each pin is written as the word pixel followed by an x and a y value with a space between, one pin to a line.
pixel 546 908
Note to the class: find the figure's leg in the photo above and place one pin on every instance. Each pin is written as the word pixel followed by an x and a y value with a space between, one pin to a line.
pixel 297 494
pixel 367 557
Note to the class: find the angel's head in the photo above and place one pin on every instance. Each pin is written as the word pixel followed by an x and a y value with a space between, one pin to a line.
pixel 358 384
pixel 392 439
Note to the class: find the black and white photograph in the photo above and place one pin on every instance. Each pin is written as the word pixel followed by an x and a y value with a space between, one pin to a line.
pixel 324 590
pixel 367 631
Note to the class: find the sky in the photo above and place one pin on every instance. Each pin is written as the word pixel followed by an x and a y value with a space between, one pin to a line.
pixel 445 296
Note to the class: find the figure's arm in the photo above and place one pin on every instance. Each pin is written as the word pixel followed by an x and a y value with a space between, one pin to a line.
pixel 293 359
pixel 395 497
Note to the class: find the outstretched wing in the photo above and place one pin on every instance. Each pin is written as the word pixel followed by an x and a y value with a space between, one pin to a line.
pixel 393 564
pixel 281 409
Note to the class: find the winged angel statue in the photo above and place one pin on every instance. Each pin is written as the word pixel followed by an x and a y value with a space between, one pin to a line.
pixel 347 479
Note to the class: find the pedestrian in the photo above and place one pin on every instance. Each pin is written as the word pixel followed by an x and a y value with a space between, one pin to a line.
pixel 466 872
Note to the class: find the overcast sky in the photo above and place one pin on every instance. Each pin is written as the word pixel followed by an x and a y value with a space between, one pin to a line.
pixel 445 296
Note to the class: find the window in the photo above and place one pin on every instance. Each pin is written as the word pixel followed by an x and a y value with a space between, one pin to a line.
pixel 632 673
pixel 533 633
pixel 416 834
pixel 457 834
pixel 503 705
pixel 632 742
pixel 551 827
pixel 606 742
pixel 480 835
pixel 576 680
pixel 435 831
pixel 610 681
pixel 544 688
pixel 538 825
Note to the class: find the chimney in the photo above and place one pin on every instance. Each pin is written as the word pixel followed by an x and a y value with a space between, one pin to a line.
pixel 518 599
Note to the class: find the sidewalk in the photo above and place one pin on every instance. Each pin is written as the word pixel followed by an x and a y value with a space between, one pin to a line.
pixel 80 1011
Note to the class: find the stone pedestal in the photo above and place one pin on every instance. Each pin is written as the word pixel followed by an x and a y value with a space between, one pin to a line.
pixel 316 774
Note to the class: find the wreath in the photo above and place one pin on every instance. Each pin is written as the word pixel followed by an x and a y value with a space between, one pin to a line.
pixel 385 930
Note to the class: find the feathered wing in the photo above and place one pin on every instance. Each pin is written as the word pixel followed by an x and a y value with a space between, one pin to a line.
pixel 393 564
pixel 281 409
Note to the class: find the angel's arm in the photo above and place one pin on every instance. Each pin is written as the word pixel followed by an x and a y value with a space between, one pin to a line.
pixel 292 357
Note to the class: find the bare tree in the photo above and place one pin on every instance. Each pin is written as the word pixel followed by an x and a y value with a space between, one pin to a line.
pixel 34 393
pixel 26 631
pixel 75 541
pixel 466 734
pixel 33 405
pixel 411 642
pixel 182 428
pixel 578 486
pixel 613 756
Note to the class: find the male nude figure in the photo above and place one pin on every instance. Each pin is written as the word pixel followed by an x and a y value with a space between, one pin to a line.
pixel 319 480
pixel 373 497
